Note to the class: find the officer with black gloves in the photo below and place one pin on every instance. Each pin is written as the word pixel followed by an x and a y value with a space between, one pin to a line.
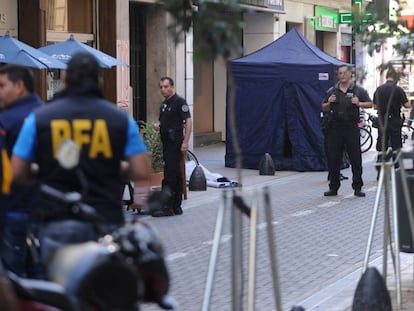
pixel 175 127
pixel 344 101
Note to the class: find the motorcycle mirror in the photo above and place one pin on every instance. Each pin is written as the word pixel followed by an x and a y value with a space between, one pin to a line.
pixel 68 154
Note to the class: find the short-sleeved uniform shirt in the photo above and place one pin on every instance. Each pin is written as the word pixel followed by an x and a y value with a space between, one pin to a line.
pixel 383 98
pixel 173 112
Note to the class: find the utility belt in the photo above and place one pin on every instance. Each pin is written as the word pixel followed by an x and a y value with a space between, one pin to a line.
pixel 172 134
pixel 391 116
pixel 394 121
pixel 345 115
pixel 347 124
pixel 346 120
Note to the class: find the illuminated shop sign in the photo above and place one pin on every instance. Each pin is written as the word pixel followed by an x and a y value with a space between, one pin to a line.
pixel 326 19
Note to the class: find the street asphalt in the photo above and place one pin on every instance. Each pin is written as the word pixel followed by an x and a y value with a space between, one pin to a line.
pixel 320 241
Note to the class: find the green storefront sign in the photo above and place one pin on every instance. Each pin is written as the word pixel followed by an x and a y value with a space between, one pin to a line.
pixel 326 19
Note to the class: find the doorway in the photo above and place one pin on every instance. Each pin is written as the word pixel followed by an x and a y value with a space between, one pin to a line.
pixel 137 39
pixel 203 97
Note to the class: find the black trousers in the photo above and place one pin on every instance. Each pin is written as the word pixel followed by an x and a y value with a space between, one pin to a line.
pixel 173 178
pixel 344 163
pixel 392 135
pixel 340 138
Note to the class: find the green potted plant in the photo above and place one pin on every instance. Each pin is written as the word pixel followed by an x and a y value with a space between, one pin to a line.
pixel 153 142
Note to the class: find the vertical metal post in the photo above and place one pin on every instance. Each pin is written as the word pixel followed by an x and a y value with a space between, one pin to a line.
pixel 214 252
pixel 236 258
pixel 272 249
pixel 396 238
pixel 237 252
pixel 252 254
pixel 387 234
pixel 374 218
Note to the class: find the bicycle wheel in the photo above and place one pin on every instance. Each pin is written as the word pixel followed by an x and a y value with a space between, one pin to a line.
pixel 365 139
pixel 407 133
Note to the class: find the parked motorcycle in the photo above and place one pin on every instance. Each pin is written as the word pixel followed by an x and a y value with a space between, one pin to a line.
pixel 116 273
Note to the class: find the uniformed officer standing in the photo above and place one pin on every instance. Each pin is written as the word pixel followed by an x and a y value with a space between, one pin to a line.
pixel 388 99
pixel 175 127
pixel 344 101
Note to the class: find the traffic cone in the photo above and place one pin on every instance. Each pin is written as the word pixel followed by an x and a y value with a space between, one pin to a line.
pixel 266 166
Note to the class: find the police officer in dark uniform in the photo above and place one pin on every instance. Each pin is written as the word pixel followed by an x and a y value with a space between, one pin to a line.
pixel 5 182
pixel 5 172
pixel 388 99
pixel 175 128
pixel 344 101
pixel 105 134
pixel 17 100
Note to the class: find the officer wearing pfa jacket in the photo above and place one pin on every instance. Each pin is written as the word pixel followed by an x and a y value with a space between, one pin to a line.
pixel 175 128
pixel 105 134
pixel 5 170
pixel 343 101
pixel 5 181
pixel 17 101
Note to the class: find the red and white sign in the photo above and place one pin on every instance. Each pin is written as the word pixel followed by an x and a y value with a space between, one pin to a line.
pixel 323 76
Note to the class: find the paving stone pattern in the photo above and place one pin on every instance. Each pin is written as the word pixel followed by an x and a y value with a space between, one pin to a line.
pixel 320 240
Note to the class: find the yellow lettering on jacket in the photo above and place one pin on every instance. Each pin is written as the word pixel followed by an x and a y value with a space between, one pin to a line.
pixel 100 140
pixel 60 130
pixel 7 172
pixel 83 132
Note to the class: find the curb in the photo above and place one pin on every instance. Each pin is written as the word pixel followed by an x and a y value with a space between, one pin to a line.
pixel 339 295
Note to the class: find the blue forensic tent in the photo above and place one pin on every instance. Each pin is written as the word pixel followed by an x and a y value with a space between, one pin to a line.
pixel 278 94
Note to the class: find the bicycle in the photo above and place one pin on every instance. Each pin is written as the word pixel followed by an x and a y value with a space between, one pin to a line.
pixel 366 139
pixel 366 122
pixel 407 131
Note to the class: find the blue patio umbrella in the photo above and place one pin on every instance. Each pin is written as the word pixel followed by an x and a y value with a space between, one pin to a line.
pixel 64 51
pixel 13 51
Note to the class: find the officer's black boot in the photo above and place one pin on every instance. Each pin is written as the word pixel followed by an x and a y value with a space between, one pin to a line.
pixel 163 212
pixel 330 193
pixel 158 203
pixel 178 210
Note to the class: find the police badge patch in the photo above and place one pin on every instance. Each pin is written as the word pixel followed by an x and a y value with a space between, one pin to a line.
pixel 185 108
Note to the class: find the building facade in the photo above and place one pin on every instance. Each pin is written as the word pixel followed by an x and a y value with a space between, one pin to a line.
pixel 136 32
